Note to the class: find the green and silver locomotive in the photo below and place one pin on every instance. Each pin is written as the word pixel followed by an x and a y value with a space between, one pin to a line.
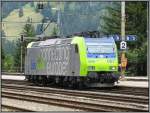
pixel 73 62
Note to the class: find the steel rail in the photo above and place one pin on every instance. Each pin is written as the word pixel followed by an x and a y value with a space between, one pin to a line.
pixel 119 90
pixel 100 95
pixel 83 105
pixel 13 108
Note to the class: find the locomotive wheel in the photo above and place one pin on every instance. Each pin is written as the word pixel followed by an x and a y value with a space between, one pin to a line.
pixel 28 78
pixel 32 78
pixel 65 85
pixel 59 81
pixel 65 82
pixel 74 83
pixel 37 80
pixel 80 85
pixel 44 80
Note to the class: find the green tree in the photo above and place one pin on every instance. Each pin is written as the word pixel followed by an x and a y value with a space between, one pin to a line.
pixel 7 50
pixel 55 31
pixel 3 33
pixel 3 54
pixel 136 24
pixel 17 56
pixel 28 31
pixel 112 20
pixel 8 63
pixel 3 58
pixel 21 12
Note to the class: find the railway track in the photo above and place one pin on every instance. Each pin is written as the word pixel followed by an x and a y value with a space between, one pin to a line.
pixel 119 90
pixel 12 108
pixel 88 94
pixel 125 90
pixel 83 103
pixel 103 101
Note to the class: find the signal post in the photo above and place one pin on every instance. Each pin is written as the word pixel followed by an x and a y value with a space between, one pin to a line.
pixel 123 43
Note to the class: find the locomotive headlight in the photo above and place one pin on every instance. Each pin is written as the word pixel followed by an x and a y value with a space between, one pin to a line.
pixel 112 67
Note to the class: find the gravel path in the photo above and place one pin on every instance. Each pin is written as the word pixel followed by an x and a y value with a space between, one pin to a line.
pixel 33 106
pixel 86 100
pixel 143 84
pixel 13 77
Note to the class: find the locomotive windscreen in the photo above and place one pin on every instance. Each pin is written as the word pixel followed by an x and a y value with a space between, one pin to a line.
pixel 100 48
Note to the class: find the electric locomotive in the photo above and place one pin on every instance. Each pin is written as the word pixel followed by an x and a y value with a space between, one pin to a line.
pixel 73 62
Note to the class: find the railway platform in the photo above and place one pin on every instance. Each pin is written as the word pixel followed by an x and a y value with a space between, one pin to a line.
pixel 126 83
pixel 137 81
pixel 13 77
pixel 141 78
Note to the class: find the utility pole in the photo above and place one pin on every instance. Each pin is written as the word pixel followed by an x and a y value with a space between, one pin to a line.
pixel 148 35
pixel 21 54
pixel 58 19
pixel 123 58
pixel 123 20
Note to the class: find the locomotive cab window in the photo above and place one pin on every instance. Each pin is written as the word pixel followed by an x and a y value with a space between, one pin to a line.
pixel 100 49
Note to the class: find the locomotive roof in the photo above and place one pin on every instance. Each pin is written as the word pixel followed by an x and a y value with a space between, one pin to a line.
pixel 49 42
